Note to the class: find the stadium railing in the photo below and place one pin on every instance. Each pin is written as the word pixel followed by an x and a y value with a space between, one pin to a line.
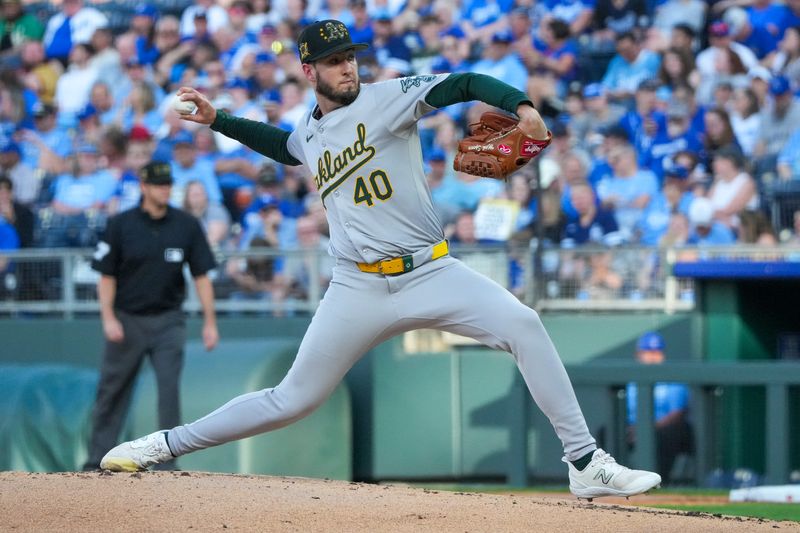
pixel 61 281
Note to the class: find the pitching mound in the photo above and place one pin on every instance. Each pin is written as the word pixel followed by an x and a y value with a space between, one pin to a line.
pixel 180 501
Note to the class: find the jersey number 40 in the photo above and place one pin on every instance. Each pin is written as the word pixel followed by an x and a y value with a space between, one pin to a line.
pixel 378 187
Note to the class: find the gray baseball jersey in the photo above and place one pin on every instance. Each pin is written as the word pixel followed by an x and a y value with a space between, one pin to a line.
pixel 365 156
pixel 367 164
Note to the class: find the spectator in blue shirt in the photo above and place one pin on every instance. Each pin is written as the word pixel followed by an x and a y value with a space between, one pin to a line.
pixel 599 114
pixel 102 100
pixel 674 197
pixel 9 241
pixel 18 215
pixel 46 146
pixel 271 187
pixel 629 191
pixel 143 24
pixel 632 65
pixel 482 19
pixel 73 24
pixel 703 229
pixel 385 44
pixel 453 57
pixel 79 199
pixel 236 171
pixel 676 137
pixel 264 79
pixel 574 169
pixel 186 167
pixel 599 169
pixel 577 13
pixel 594 224
pixel 645 121
pixel 501 62
pixel 140 109
pixel 674 434
pixel 766 22
pixel 553 59
pixel 789 158
pixel 361 28
pixel 446 190
pixel 338 10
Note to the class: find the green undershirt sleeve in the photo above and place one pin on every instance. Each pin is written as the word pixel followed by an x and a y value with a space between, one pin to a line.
pixel 265 139
pixel 468 86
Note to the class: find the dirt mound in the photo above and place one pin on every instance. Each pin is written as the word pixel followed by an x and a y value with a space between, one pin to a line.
pixel 180 501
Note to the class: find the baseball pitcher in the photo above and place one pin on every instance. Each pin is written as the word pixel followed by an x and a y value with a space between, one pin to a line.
pixel 393 272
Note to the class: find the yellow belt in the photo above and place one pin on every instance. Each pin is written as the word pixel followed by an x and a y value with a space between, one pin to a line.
pixel 400 265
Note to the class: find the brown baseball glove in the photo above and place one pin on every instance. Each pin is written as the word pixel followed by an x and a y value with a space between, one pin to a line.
pixel 496 147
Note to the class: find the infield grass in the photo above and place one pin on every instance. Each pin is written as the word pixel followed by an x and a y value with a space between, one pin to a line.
pixel 769 511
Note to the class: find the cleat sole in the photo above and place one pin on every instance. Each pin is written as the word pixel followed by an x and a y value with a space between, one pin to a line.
pixel 120 465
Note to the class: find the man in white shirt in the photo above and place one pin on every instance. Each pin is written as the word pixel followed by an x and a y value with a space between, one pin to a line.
pixel 74 24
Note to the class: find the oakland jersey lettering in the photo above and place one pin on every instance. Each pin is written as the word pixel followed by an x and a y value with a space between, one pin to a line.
pixel 349 160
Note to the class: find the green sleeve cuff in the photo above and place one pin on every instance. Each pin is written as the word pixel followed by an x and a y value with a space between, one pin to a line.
pixel 469 86
pixel 265 139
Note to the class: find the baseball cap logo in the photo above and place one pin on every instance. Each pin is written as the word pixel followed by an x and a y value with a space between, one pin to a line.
pixel 333 31
pixel 504 149
pixel 304 53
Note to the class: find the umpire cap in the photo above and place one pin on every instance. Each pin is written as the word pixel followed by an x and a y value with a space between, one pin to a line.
pixel 156 173
pixel 323 38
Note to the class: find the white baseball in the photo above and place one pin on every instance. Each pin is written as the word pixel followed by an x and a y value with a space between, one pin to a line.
pixel 183 107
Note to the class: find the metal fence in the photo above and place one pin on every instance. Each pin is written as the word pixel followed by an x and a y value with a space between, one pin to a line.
pixel 62 282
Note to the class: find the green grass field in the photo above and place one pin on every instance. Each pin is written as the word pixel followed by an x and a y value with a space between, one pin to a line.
pixel 769 511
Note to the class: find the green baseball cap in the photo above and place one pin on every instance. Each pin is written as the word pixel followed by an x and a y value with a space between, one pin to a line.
pixel 323 38
pixel 156 173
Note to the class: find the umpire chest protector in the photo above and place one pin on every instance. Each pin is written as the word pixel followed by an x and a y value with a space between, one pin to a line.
pixel 146 256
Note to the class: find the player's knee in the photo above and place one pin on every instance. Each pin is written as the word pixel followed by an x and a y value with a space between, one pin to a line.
pixel 528 320
pixel 297 408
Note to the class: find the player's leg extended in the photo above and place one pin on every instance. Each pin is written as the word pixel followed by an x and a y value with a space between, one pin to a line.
pixel 454 298
pixel 457 299
pixel 352 317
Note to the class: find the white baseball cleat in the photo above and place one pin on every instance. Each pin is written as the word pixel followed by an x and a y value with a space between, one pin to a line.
pixel 139 454
pixel 603 476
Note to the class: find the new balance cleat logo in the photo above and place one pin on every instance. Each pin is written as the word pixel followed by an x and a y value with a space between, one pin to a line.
pixel 604 476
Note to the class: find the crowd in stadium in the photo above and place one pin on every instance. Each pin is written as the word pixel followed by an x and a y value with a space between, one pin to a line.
pixel 671 119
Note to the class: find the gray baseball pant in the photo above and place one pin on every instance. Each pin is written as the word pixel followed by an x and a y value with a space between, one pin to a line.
pixel 162 336
pixel 360 311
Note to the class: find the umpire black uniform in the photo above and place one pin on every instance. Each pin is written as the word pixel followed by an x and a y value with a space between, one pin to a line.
pixel 141 290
